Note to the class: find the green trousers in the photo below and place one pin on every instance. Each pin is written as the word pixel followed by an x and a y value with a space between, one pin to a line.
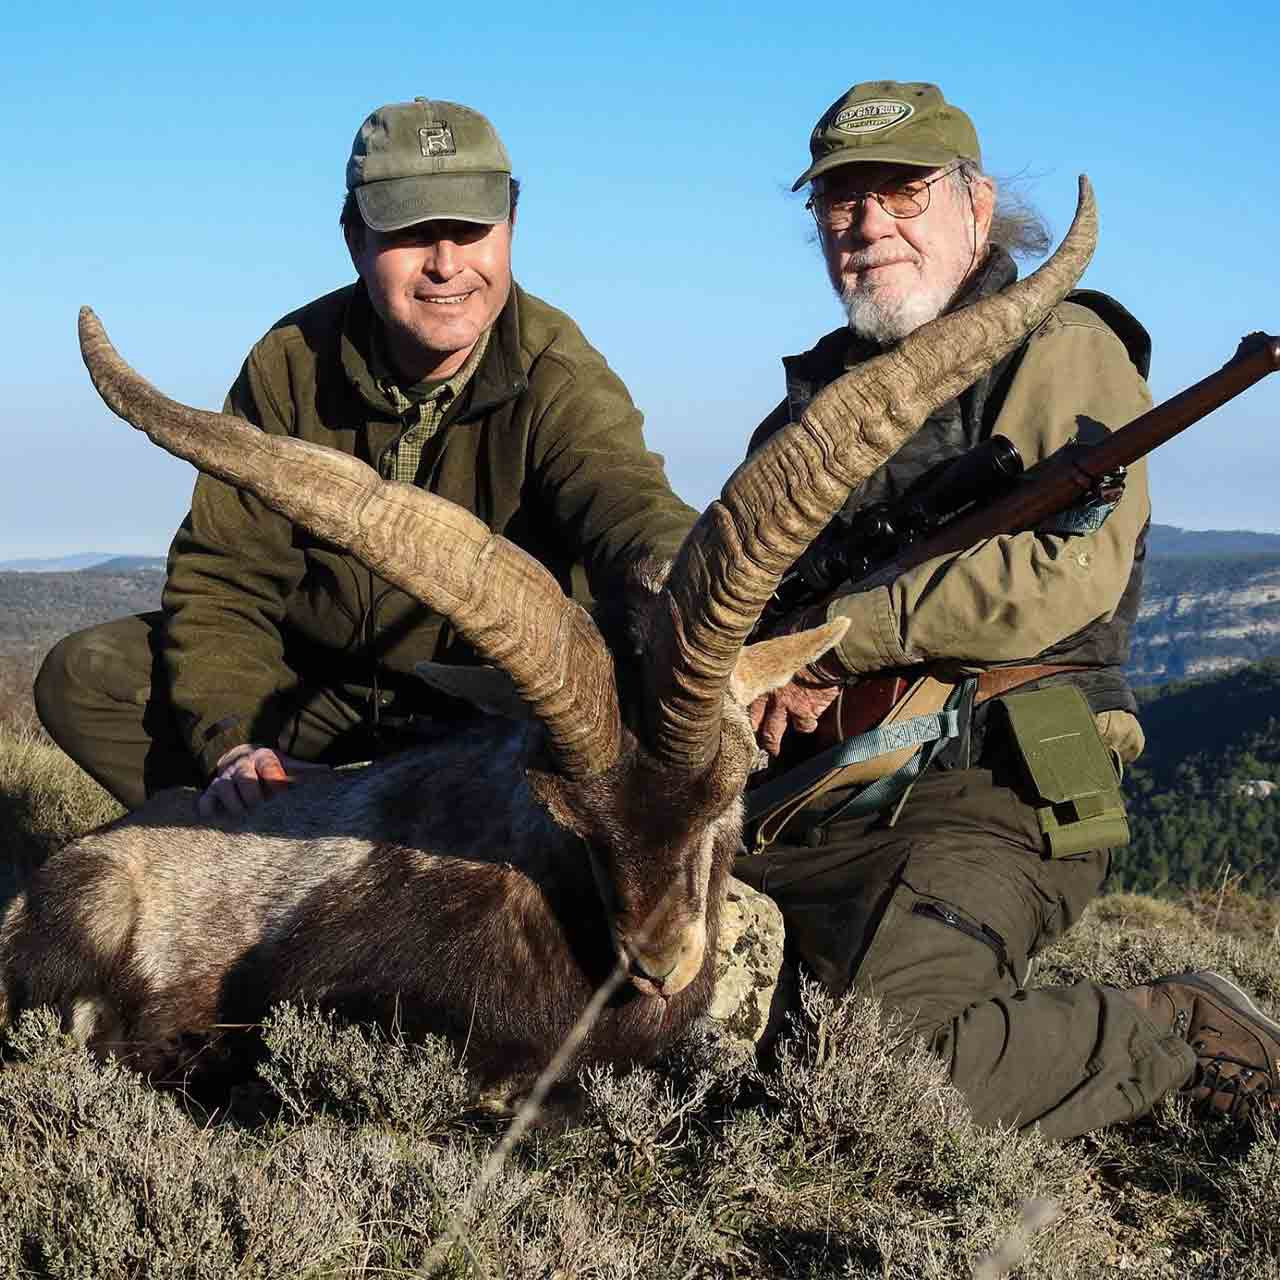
pixel 101 694
pixel 938 916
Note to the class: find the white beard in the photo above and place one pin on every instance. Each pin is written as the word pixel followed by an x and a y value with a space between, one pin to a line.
pixel 884 322
pixel 886 316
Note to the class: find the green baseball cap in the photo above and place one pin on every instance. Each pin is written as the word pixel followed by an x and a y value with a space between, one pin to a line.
pixel 890 122
pixel 414 161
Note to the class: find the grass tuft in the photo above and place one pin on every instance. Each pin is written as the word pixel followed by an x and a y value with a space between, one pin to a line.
pixel 46 799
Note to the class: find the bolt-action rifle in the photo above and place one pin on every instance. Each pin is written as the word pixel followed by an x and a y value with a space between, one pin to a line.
pixel 985 493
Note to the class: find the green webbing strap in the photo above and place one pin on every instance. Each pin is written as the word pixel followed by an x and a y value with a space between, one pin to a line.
pixel 929 730
pixel 884 791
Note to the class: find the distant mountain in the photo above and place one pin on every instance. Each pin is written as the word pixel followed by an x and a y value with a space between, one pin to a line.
pixel 57 564
pixel 128 564
pixel 36 609
pixel 1166 541
pixel 96 561
pixel 1210 602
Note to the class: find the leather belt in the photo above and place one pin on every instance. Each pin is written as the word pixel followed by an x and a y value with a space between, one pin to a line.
pixel 998 680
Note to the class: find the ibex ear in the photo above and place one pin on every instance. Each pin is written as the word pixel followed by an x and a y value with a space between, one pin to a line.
pixel 771 663
pixel 487 688
pixel 548 790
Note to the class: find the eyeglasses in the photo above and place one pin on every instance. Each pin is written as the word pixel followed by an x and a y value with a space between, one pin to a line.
pixel 910 200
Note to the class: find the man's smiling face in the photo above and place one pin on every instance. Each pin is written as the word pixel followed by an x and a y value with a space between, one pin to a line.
pixel 894 274
pixel 437 286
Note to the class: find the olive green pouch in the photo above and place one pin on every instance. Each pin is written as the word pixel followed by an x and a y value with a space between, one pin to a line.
pixel 1080 806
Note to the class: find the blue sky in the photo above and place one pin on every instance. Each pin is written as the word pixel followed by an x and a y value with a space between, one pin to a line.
pixel 183 175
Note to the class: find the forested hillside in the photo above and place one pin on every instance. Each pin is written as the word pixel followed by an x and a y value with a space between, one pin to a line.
pixel 1196 821
pixel 38 608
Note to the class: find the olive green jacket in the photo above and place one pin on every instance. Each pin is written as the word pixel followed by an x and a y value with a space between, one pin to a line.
pixel 1013 598
pixel 544 444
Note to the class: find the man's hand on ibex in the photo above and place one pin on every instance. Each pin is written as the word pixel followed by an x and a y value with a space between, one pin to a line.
pixel 247 775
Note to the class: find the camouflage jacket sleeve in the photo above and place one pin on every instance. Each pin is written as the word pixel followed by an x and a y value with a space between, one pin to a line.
pixel 601 487
pixel 1009 598
pixel 232 567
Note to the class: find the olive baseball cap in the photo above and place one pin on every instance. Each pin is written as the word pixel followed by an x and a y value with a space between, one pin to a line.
pixel 890 122
pixel 414 161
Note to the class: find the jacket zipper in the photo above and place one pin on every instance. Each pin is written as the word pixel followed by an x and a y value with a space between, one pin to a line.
pixel 983 933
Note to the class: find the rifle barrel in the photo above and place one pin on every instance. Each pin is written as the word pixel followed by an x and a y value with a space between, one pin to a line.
pixel 1062 479
pixel 1257 356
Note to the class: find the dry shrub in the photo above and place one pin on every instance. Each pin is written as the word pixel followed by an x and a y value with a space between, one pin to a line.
pixel 318 1067
pixel 1226 908
pixel 883 1151
pixel 101 1175
pixel 1125 938
pixel 1195 1197
pixel 850 1157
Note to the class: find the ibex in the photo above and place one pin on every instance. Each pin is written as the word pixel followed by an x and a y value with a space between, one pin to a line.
pixel 484 884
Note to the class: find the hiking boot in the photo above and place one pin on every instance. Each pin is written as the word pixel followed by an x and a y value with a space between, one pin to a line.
pixel 1237 1046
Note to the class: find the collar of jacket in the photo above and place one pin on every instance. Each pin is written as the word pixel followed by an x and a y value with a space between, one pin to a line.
pixel 501 376
pixel 842 349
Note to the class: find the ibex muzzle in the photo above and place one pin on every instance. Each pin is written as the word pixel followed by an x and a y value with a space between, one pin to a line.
pixel 483 886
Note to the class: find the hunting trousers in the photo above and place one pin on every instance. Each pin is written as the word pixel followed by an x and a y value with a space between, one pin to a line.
pixel 102 695
pixel 939 916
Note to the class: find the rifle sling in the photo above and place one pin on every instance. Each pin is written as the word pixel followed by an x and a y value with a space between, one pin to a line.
pixel 772 805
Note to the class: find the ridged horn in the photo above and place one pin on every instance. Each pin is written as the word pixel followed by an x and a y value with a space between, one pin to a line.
pixel 509 608
pixel 778 501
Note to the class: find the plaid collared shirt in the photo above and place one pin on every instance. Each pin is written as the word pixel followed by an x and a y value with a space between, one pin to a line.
pixel 421 411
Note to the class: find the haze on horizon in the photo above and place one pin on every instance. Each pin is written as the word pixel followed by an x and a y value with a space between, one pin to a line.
pixel 183 175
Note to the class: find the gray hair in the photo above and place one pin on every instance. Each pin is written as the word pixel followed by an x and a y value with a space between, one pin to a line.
pixel 1017 226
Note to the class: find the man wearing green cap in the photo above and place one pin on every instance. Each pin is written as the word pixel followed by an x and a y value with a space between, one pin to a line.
pixel 935 894
pixel 276 653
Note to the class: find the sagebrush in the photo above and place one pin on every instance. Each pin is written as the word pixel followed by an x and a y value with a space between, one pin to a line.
pixel 851 1156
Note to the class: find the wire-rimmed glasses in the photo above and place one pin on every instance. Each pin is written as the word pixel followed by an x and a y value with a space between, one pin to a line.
pixel 836 212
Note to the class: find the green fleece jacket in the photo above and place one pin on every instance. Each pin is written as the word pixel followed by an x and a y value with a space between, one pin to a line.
pixel 544 444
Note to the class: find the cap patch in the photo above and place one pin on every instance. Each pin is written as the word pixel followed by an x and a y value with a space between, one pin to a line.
pixel 873 115
pixel 437 140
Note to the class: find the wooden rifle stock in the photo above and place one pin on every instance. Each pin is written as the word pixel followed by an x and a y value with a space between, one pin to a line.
pixel 1055 485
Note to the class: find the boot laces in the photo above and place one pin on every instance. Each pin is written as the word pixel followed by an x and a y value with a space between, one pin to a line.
pixel 1250 1090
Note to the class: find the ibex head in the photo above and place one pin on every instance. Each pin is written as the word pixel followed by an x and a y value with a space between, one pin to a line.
pixel 655 793
pixel 660 835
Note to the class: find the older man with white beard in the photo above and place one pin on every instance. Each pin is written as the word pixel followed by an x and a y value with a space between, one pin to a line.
pixel 935 893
